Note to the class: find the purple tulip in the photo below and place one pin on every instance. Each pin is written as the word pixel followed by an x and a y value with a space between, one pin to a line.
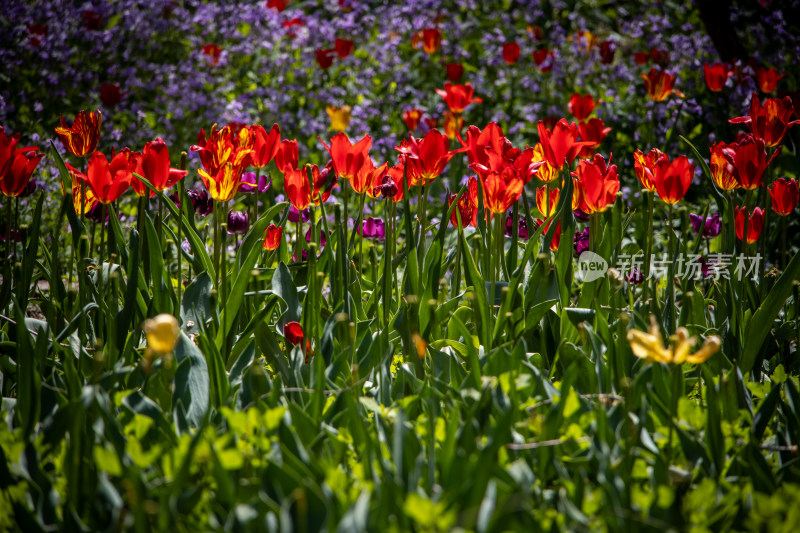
pixel 635 277
pixel 710 227
pixel 294 214
pixel 322 239
pixel 264 182
pixel 580 216
pixel 387 188
pixel 581 241
pixel 203 204
pixel 522 227
pixel 373 228
pixel 30 187
pixel 238 222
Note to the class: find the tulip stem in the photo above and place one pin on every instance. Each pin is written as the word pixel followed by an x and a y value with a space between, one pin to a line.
pixel 100 262
pixel 255 197
pixel 673 407
pixel 783 242
pixel 181 206
pixel 216 242
pixel 648 254
pixel 361 239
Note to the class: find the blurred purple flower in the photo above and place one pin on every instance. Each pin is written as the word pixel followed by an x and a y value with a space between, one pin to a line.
pixel 373 228
pixel 322 238
pixel 238 222
pixel 294 214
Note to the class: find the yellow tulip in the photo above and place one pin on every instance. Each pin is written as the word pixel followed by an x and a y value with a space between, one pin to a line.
pixel 650 346
pixel 162 333
pixel 340 117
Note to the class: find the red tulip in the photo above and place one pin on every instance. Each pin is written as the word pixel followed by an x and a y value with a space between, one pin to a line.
pixel 411 117
pixel 293 332
pixel 324 57
pixel 213 52
pixel 343 47
pixel 768 79
pixel 110 94
pixel 489 151
pixel 453 124
pixel 645 165
pixel 750 162
pixel 108 180
pixel 659 85
pixel 510 52
pixel 365 179
pixel 155 165
pixel 721 165
pixel 82 137
pixel 272 237
pixel 640 58
pixel 467 205
pixel 19 168
pixel 457 97
pixel 672 179
pixel 716 76
pixel 390 185
pixel 287 156
pixel 224 146
pixel 8 147
pixel 425 158
pixel 431 40
pixel 560 145
pixel 454 71
pixel 348 158
pixel 298 188
pixel 593 131
pixel 277 5
pixel 544 59
pixel 607 50
pixel 770 121
pixel 599 184
pixel 755 224
pixel 785 195
pixel 265 145
pixel 581 106
pixel 660 57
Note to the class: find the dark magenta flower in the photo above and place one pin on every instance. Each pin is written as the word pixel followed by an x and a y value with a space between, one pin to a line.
pixel 635 277
pixel 581 241
pixel 202 203
pixel 522 227
pixel 238 222
pixel 581 216
pixel 710 227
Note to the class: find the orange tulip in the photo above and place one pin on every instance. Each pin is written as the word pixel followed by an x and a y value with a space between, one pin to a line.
pixel 431 40
pixel 541 200
pixel 560 145
pixel 750 162
pixel 265 145
pixel 426 157
pixel 599 184
pixel 467 205
pixel 592 131
pixel 348 158
pixel 272 237
pixel 660 85
pixel 644 165
pixel 545 173
pixel 367 176
pixel 411 117
pixel 458 97
pixel 768 79
pixel 721 164
pixel 298 188
pixel 453 124
pixel 770 121
pixel 672 179
pixel 82 137
pixel 501 190
pixel 107 179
